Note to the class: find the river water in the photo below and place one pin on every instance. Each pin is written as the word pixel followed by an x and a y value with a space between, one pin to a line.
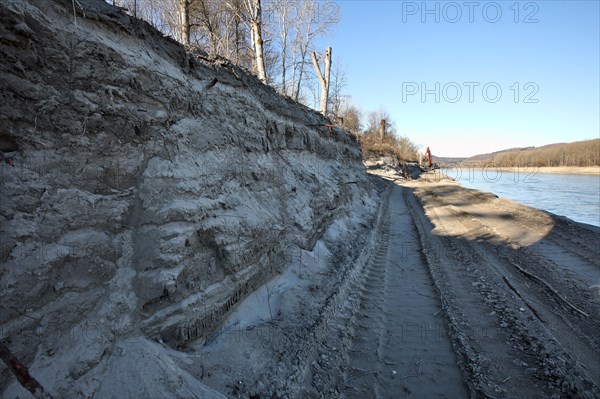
pixel 574 196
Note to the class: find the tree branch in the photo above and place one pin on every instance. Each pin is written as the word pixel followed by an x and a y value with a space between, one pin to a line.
pixel 22 374
pixel 313 55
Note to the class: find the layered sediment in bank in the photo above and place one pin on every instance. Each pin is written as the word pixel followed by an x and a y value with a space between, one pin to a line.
pixel 145 192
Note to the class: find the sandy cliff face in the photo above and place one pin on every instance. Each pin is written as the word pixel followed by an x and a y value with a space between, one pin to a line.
pixel 141 201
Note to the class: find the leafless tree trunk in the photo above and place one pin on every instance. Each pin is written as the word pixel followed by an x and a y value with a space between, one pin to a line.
pixel 294 68
pixel 209 17
pixel 235 33
pixel 306 26
pixel 323 77
pixel 303 50
pixel 283 27
pixel 297 93
pixel 184 8
pixel 255 11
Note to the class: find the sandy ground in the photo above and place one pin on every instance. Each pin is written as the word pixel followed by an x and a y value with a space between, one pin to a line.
pixel 455 293
pixel 524 282
pixel 575 170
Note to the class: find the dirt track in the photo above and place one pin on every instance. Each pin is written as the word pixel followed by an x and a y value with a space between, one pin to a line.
pixel 515 286
pixel 399 344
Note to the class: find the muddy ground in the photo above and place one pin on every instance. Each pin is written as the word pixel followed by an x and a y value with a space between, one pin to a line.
pixel 457 293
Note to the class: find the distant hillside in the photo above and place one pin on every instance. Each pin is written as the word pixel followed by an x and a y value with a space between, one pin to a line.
pixel 490 155
pixel 579 153
pixel 444 162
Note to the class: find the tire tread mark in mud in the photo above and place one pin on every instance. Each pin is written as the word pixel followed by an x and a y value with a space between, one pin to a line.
pixel 562 370
pixel 398 344
pixel 487 363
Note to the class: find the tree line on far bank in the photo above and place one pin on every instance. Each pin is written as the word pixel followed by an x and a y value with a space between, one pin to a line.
pixel 579 153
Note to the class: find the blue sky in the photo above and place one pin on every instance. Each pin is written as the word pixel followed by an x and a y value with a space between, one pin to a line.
pixel 390 55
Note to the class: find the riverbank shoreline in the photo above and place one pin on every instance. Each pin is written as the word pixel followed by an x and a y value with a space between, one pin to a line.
pixel 524 177
pixel 527 274
pixel 437 178
pixel 553 192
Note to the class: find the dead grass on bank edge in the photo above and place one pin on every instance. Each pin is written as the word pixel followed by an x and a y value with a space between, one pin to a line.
pixel 399 148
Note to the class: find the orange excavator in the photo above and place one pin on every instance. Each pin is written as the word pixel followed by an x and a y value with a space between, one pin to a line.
pixel 428 157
